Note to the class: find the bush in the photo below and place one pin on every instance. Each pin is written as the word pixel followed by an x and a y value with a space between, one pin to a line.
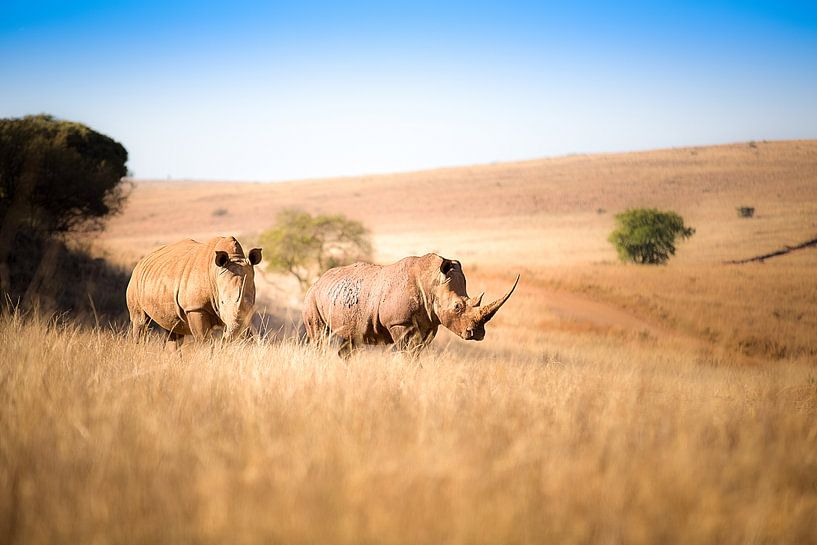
pixel 647 235
pixel 306 246
pixel 746 211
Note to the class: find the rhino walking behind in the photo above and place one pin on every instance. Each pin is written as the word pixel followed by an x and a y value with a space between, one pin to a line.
pixel 402 304
pixel 189 287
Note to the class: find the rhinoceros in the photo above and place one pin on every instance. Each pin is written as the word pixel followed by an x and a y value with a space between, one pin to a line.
pixel 189 287
pixel 402 304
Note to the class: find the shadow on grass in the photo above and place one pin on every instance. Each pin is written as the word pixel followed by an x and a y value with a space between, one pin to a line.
pixel 50 277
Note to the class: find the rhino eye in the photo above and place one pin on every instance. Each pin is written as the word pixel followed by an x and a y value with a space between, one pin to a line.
pixel 458 307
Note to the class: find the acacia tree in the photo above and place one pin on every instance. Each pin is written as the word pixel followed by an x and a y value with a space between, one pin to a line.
pixel 55 176
pixel 305 246
pixel 647 235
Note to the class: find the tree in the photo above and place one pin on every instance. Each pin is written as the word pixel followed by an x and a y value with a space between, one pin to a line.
pixel 306 246
pixel 55 176
pixel 647 235
pixel 59 175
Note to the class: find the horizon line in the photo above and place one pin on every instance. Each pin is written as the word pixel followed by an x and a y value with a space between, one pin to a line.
pixel 171 179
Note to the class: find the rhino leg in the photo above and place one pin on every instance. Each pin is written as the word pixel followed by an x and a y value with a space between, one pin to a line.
pixel 346 348
pixel 139 324
pixel 407 338
pixel 315 327
pixel 200 324
pixel 173 342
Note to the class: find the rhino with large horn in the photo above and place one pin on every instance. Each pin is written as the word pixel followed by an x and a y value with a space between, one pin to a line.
pixel 403 303
pixel 189 288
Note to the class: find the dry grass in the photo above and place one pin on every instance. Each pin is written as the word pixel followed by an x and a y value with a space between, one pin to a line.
pixel 608 403
pixel 105 441
pixel 766 311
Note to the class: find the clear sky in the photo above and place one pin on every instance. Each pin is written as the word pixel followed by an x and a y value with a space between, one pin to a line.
pixel 277 90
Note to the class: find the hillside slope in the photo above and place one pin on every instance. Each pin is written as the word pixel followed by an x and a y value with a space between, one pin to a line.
pixel 548 211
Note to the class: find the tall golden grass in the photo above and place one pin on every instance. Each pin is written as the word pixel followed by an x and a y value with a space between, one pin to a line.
pixel 578 439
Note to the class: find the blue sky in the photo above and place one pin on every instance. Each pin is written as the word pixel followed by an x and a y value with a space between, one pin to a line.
pixel 276 90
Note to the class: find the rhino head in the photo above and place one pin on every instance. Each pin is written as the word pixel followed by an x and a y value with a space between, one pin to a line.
pixel 463 315
pixel 235 287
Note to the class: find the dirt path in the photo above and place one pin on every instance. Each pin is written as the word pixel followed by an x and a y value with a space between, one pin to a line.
pixel 584 312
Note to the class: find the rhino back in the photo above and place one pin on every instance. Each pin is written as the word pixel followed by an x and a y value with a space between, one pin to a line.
pixel 346 298
pixel 172 281
pixel 364 300
pixel 406 290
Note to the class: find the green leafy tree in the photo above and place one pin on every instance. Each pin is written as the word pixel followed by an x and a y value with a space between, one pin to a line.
pixel 58 176
pixel 55 177
pixel 647 235
pixel 305 246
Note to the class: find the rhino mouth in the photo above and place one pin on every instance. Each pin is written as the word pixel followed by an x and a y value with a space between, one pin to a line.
pixel 231 333
pixel 474 334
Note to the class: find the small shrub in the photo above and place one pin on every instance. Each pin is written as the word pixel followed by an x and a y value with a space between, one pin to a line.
pixel 647 235
pixel 746 211
pixel 220 212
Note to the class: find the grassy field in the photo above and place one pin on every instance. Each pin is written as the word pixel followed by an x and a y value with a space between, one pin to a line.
pixel 584 441
pixel 608 403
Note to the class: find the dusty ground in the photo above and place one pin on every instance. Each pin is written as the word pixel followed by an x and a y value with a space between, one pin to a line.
pixel 548 220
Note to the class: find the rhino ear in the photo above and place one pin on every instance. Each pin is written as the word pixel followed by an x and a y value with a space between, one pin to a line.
pixel 255 256
pixel 448 265
pixel 221 258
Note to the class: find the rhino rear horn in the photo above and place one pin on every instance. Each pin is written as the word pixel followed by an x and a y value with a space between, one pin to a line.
pixel 490 310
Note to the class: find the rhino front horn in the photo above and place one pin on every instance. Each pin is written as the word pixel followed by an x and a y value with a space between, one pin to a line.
pixel 489 310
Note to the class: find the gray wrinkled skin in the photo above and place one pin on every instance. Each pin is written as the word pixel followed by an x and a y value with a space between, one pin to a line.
pixel 189 287
pixel 401 304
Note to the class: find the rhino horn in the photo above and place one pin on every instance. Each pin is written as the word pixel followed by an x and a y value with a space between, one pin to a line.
pixel 477 301
pixel 241 291
pixel 488 311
